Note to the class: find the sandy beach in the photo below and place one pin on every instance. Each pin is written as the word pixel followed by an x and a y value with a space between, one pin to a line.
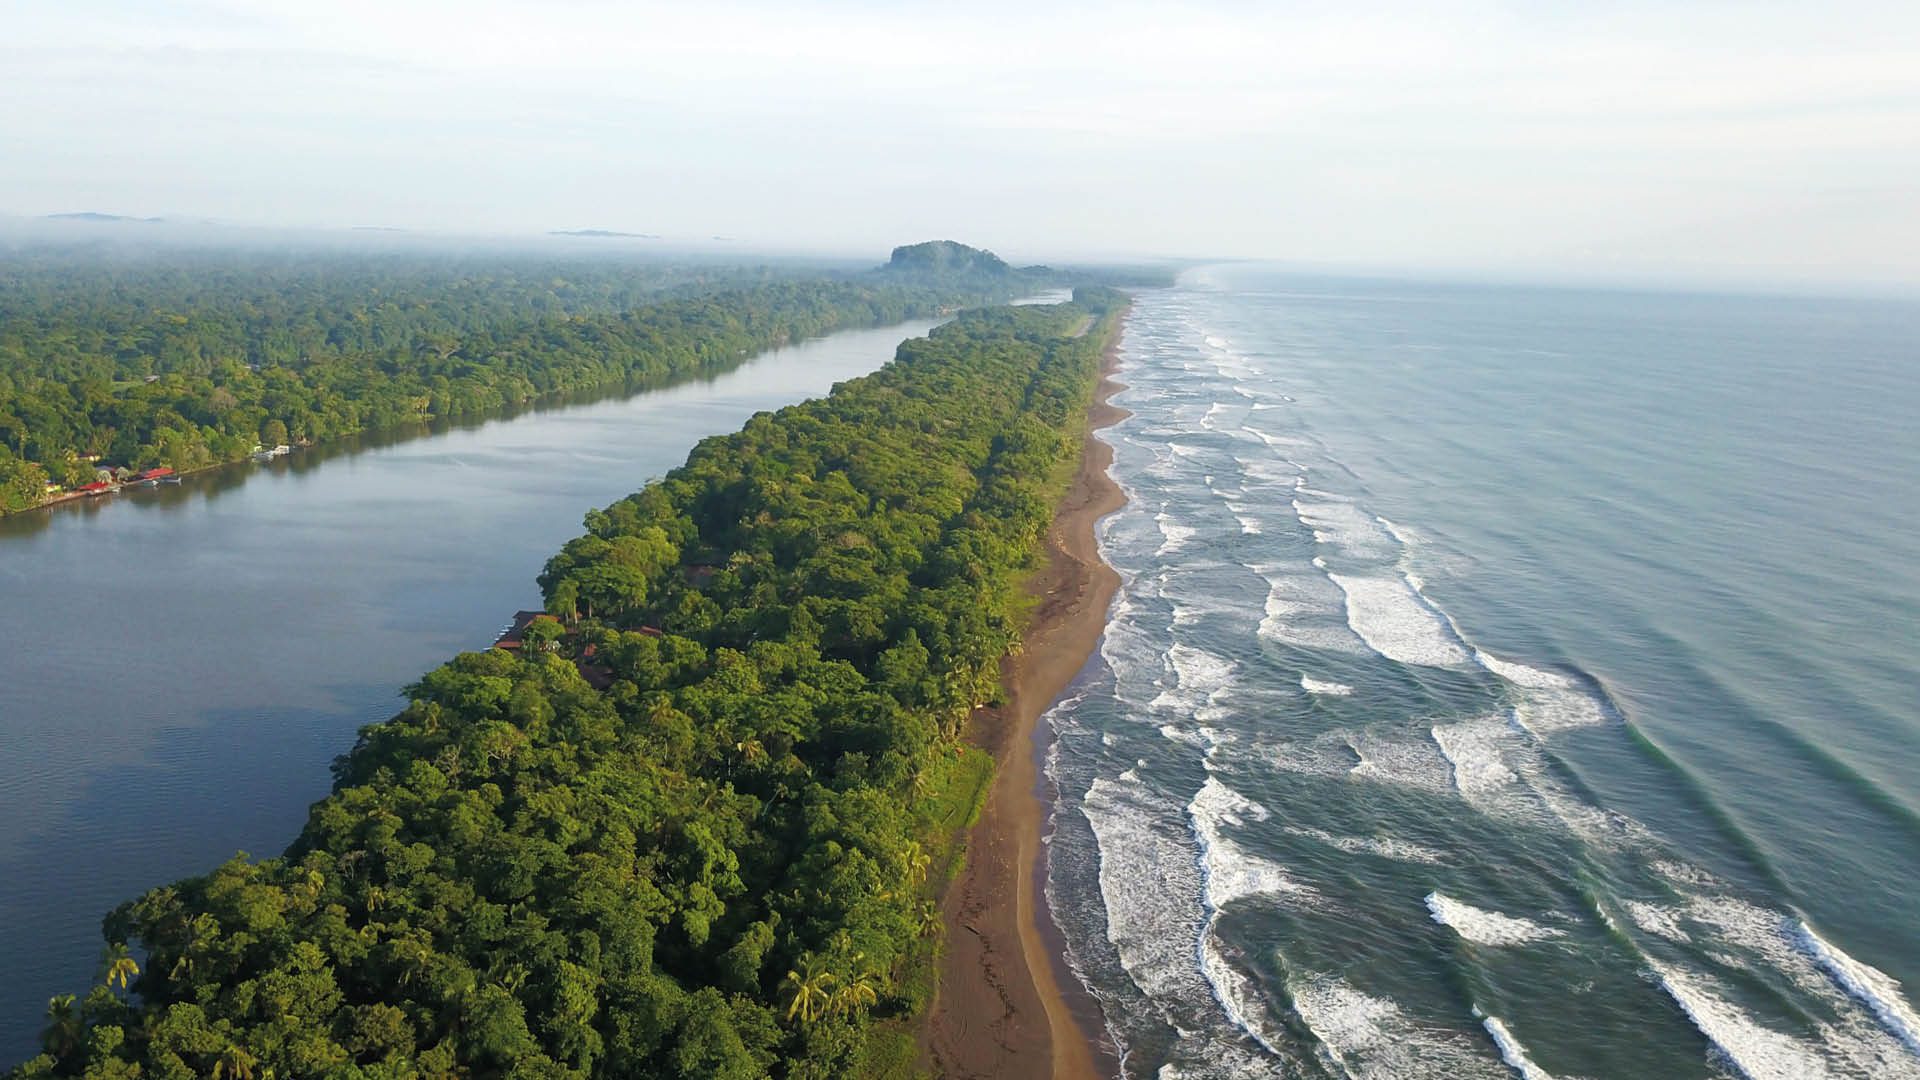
pixel 1007 1004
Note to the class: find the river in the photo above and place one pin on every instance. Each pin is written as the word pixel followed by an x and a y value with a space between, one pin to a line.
pixel 181 664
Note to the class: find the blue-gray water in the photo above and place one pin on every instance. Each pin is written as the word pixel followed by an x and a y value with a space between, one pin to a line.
pixel 180 665
pixel 1506 682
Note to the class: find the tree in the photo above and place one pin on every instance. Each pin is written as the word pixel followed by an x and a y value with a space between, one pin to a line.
pixel 809 991
pixel 234 1063
pixel 118 967
pixel 65 1032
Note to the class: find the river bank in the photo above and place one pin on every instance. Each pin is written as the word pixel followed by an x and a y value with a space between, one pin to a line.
pixel 1007 1006
pixel 287 606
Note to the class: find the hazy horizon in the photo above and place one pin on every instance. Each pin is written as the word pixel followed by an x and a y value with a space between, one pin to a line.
pixel 1696 142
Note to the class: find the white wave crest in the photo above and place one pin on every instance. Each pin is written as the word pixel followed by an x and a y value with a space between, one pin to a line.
pixel 1150 886
pixel 1874 988
pixel 1321 686
pixel 1176 535
pixel 1370 1038
pixel 1549 702
pixel 1759 1053
pixel 1346 527
pixel 1230 870
pixel 1485 927
pixel 1238 994
pixel 1391 618
pixel 1512 1052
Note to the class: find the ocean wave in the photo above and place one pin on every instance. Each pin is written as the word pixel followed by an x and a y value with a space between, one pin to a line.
pixel 1347 527
pixel 1387 614
pixel 1371 1038
pixel 1150 886
pixel 1874 988
pixel 1758 1052
pixel 1484 927
pixel 1175 533
pixel 1384 847
pixel 1229 870
pixel 1473 748
pixel 1401 762
pixel 1320 686
pixel 1512 1052
pixel 1549 702
pixel 1238 994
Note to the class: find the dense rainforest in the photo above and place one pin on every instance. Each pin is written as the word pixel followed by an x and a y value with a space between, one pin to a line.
pixel 694 825
pixel 191 359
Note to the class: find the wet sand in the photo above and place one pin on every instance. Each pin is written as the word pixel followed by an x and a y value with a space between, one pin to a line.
pixel 1007 1006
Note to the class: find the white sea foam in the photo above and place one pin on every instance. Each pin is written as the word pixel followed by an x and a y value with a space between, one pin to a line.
pixel 1347 527
pixel 1150 886
pixel 1512 1052
pixel 1875 989
pixel 1267 471
pixel 1385 847
pixel 1199 670
pixel 1407 537
pixel 1238 994
pixel 1485 927
pixel 1249 525
pixel 1370 1038
pixel 1198 738
pixel 1391 618
pixel 1473 748
pixel 1175 533
pixel 1391 759
pixel 1654 919
pixel 1549 702
pixel 1758 1052
pixel 1231 872
pixel 1321 686
pixel 1302 610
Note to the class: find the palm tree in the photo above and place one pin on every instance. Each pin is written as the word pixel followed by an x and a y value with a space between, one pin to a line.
pixel 235 1063
pixel 809 991
pixel 860 992
pixel 918 862
pixel 65 1030
pixel 119 966
pixel 930 923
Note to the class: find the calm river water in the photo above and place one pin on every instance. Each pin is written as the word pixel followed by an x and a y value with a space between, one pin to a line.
pixel 180 665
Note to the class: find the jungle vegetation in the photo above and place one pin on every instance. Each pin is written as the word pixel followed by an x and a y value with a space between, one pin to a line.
pixel 194 358
pixel 694 827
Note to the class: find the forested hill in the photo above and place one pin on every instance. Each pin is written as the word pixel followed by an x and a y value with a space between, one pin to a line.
pixel 194 359
pixel 947 257
pixel 694 826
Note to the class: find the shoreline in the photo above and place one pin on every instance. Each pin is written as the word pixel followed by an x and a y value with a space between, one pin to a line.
pixel 1007 1006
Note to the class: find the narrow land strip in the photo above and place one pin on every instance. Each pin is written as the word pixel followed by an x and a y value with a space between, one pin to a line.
pixel 1002 1010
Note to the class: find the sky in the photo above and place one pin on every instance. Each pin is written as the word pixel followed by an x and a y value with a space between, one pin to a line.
pixel 1744 140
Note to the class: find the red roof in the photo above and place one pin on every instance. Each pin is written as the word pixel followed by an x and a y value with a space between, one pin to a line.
pixel 97 485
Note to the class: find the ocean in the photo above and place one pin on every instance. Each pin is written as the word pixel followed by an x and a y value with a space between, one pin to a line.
pixel 1506 682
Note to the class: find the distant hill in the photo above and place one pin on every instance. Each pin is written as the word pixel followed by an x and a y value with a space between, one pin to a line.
pixel 603 234
pixel 947 258
pixel 90 215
